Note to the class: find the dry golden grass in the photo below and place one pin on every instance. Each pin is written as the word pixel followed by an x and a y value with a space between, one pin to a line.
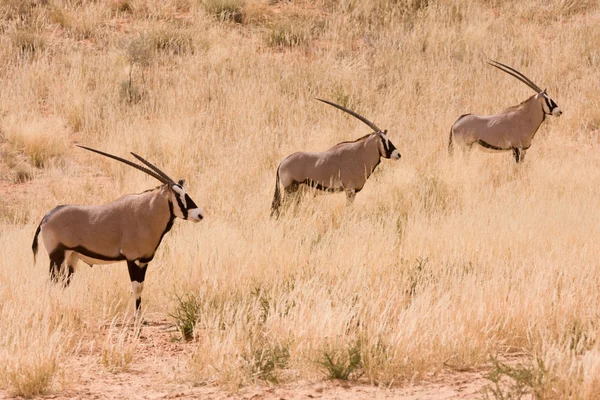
pixel 439 264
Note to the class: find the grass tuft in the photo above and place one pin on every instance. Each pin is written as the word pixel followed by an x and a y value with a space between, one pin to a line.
pixel 342 363
pixel 118 350
pixel 186 314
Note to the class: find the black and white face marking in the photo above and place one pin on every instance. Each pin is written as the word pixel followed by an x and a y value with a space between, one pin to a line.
pixel 185 207
pixel 550 107
pixel 389 150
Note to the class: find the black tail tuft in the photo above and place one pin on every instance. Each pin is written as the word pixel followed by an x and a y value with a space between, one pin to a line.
pixel 34 245
pixel 450 146
pixel 276 197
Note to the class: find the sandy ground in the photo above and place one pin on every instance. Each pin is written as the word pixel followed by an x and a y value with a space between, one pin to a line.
pixel 160 360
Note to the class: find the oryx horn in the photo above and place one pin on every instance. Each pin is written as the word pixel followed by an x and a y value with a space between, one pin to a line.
pixel 154 167
pixel 363 119
pixel 153 174
pixel 513 72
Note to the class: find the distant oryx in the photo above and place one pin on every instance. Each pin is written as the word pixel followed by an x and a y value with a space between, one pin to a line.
pixel 127 229
pixel 344 167
pixel 512 129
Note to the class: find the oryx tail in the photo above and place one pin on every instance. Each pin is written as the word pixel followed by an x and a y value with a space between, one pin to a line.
pixel 34 245
pixel 277 196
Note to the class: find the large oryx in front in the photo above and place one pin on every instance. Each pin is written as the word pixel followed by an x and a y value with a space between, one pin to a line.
pixel 127 229
pixel 344 167
pixel 512 129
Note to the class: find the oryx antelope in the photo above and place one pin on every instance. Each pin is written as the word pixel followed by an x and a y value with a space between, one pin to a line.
pixel 127 229
pixel 344 167
pixel 512 129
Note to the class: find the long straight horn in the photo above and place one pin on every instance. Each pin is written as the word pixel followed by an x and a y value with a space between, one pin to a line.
pixel 154 167
pixel 132 164
pixel 363 119
pixel 516 74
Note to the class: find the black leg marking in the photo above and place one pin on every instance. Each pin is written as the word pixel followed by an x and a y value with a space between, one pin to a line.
pixel 137 274
pixel 518 155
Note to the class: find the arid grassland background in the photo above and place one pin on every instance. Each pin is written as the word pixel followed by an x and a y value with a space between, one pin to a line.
pixel 440 264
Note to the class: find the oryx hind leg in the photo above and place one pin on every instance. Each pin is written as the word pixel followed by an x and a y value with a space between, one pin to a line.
pixel 57 259
pixel 293 192
pixel 137 274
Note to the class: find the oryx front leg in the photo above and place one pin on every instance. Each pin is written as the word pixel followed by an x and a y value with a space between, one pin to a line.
pixel 519 154
pixel 137 274
pixel 350 196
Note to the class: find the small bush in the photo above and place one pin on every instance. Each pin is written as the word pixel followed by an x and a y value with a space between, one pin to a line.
pixel 514 382
pixel 226 10
pixel 186 314
pixel 341 363
pixel 139 50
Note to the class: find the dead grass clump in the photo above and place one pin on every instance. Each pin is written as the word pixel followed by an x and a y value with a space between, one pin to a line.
pixel 28 43
pixel 173 42
pixel 41 140
pixel 121 6
pixel 31 353
pixel 22 173
pixel 19 9
pixel 266 361
pixel 79 27
pixel 226 10
pixel 119 346
pixel 382 12
pixel 288 34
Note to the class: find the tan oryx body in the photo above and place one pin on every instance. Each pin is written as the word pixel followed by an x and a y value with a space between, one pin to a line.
pixel 344 167
pixel 511 130
pixel 128 229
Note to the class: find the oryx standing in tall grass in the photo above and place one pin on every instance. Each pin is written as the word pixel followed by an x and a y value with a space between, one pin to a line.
pixel 512 129
pixel 127 229
pixel 344 167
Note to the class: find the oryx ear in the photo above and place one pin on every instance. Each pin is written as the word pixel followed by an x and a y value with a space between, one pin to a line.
pixel 177 189
pixel 181 182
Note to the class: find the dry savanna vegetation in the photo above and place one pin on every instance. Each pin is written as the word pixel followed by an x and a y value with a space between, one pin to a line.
pixel 441 267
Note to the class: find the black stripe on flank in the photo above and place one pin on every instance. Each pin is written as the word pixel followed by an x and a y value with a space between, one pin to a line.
pixel 89 253
pixel 317 185
pixel 492 147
